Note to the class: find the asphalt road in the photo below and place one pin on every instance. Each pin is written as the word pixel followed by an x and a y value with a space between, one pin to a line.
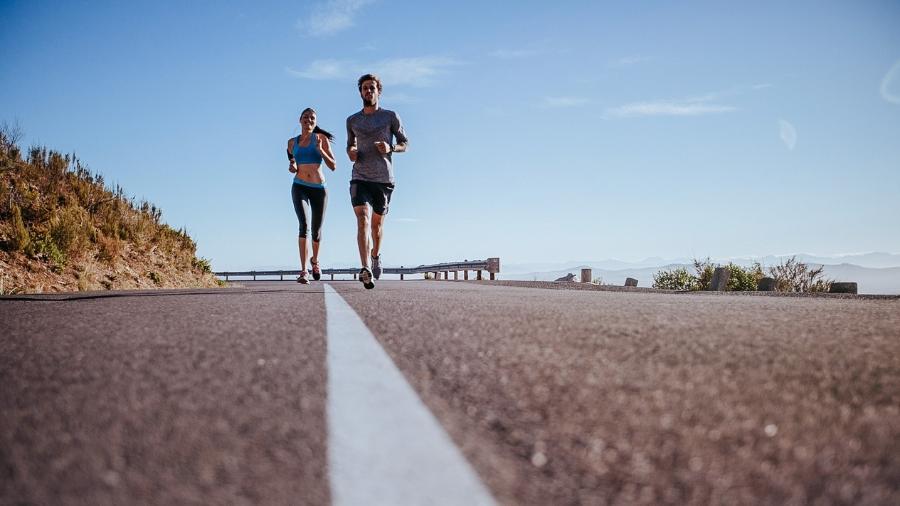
pixel 553 396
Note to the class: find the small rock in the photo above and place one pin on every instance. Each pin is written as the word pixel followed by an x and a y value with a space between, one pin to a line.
pixel 843 287
pixel 539 459
pixel 767 285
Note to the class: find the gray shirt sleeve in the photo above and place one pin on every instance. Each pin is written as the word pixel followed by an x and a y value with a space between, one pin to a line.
pixel 397 130
pixel 351 137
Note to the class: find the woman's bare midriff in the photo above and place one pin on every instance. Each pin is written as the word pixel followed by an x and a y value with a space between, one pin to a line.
pixel 310 172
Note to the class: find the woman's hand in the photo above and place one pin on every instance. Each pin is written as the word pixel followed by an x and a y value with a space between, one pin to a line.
pixel 292 168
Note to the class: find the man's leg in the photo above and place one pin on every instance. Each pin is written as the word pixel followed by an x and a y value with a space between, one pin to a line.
pixel 377 232
pixel 363 219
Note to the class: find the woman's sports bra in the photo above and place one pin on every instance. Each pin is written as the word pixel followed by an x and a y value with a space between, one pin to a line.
pixel 308 154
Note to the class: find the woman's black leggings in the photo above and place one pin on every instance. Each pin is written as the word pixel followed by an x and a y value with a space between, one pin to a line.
pixel 309 204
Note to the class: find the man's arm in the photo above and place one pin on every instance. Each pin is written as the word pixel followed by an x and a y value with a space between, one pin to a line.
pixel 399 134
pixel 352 151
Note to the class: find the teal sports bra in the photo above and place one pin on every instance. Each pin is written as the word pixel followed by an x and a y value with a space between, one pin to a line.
pixel 308 154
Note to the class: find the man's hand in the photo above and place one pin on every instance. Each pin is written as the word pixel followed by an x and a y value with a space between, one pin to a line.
pixel 383 147
pixel 352 152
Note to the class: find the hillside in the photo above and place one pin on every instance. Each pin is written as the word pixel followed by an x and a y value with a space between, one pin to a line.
pixel 63 229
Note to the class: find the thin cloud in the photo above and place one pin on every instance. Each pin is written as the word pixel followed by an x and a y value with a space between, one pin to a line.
pixel 514 54
pixel 331 17
pixel 890 79
pixel 562 102
pixel 418 71
pixel 684 107
pixel 399 98
pixel 414 71
pixel 788 133
pixel 323 70
pixel 628 61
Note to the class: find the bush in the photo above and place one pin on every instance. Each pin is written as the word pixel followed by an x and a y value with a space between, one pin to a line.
pixel 740 279
pixel 792 275
pixel 155 277
pixel 202 264
pixel 704 270
pixel 676 279
pixel 744 279
pixel 69 231
pixel 20 236
pixel 45 247
pixel 109 249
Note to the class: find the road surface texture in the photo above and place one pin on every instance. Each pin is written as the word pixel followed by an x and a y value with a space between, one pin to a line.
pixel 553 396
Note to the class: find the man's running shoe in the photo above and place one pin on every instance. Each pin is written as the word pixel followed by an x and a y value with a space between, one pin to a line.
pixel 302 279
pixel 316 271
pixel 376 266
pixel 365 275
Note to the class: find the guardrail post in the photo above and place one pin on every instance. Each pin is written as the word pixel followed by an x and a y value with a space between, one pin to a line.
pixel 455 275
pixel 466 275
pixel 492 276
pixel 719 282
pixel 281 277
pixel 479 275
pixel 332 276
pixel 254 275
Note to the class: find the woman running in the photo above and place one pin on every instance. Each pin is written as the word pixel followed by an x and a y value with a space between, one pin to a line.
pixel 306 153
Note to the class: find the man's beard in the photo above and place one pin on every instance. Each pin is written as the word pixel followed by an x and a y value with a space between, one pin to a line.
pixel 369 103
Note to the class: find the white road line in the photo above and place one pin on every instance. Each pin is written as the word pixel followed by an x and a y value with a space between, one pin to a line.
pixel 384 446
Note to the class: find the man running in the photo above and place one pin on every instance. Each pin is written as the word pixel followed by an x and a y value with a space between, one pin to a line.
pixel 370 136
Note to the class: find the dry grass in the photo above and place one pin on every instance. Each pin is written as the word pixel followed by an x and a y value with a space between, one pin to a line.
pixel 62 228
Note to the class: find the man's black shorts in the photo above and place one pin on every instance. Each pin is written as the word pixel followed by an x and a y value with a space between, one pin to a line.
pixel 377 195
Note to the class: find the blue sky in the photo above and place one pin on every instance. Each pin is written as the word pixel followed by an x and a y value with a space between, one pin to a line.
pixel 539 131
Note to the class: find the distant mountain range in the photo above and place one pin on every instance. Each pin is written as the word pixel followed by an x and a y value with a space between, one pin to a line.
pixel 876 273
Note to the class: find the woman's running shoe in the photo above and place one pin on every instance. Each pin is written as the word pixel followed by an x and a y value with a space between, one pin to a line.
pixel 365 275
pixel 302 279
pixel 316 271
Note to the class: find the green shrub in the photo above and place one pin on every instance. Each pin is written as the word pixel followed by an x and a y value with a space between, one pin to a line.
pixel 155 277
pixel 675 279
pixel 740 279
pixel 704 270
pixel 20 236
pixel 202 264
pixel 45 247
pixel 69 231
pixel 744 279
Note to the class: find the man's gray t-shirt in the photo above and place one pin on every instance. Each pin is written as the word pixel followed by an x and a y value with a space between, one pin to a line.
pixel 364 130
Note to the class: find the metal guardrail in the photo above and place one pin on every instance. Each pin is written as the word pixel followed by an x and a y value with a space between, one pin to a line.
pixel 491 266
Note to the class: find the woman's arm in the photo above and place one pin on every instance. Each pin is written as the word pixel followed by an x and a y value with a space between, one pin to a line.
pixel 292 166
pixel 325 149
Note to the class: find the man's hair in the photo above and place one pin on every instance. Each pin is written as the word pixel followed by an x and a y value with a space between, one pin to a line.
pixel 369 77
